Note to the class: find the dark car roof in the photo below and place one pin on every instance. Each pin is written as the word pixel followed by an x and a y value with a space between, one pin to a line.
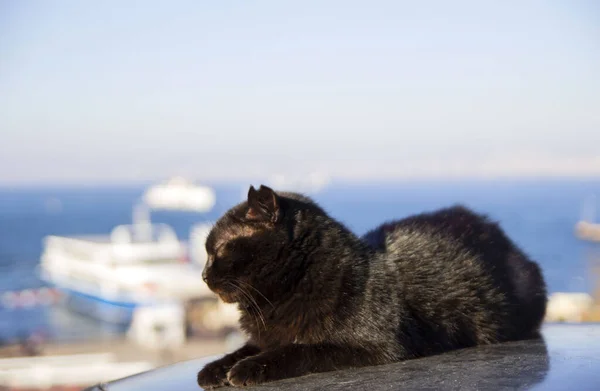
pixel 568 358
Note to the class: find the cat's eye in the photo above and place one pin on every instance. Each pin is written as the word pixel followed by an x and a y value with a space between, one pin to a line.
pixel 219 250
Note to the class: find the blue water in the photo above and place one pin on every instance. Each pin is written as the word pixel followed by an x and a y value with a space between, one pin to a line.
pixel 538 215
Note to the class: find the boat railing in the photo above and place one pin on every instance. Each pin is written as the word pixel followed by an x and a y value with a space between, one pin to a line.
pixel 143 233
pixel 121 246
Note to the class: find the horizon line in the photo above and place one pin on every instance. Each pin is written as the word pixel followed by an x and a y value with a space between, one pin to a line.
pixel 334 180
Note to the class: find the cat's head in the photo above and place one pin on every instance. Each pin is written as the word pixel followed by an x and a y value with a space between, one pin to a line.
pixel 250 245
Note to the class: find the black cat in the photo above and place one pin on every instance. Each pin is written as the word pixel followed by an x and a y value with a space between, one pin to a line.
pixel 314 297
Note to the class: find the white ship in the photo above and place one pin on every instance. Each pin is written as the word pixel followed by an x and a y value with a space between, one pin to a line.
pixel 141 264
pixel 587 228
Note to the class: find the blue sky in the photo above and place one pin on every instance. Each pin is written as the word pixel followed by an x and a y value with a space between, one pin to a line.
pixel 113 91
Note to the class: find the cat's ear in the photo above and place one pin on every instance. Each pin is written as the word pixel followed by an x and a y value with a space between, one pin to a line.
pixel 263 205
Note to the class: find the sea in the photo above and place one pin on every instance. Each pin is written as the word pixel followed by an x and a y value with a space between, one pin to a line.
pixel 539 215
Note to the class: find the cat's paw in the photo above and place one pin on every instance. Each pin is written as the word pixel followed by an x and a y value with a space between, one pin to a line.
pixel 247 372
pixel 213 375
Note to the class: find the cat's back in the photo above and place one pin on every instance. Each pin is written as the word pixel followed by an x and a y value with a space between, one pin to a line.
pixel 456 230
pixel 454 242
pixel 465 249
pixel 456 222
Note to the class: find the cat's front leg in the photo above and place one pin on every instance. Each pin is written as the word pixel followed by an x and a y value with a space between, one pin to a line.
pixel 298 360
pixel 215 373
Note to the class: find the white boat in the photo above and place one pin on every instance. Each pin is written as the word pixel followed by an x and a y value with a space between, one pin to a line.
pixel 180 194
pixel 141 264
pixel 587 228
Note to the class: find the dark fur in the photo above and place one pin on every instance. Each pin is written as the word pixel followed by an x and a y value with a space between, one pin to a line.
pixel 314 297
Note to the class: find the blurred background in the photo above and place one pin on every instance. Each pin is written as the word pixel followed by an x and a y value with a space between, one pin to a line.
pixel 126 128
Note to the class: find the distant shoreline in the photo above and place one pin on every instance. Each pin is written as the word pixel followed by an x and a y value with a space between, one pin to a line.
pixel 336 182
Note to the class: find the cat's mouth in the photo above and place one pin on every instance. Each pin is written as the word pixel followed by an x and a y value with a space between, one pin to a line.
pixel 228 296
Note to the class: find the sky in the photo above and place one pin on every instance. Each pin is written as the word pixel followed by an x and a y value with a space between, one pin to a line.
pixel 117 91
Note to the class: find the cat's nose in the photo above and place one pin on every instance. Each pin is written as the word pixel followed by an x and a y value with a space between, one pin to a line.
pixel 207 265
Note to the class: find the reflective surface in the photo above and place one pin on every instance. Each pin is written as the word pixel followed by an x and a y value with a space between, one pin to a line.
pixel 567 359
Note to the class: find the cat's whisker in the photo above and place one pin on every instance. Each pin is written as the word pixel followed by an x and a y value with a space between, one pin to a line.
pixel 238 289
pixel 251 300
pixel 256 306
pixel 256 290
pixel 245 293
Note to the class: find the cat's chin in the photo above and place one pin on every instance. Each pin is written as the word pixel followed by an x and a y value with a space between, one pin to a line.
pixel 228 298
